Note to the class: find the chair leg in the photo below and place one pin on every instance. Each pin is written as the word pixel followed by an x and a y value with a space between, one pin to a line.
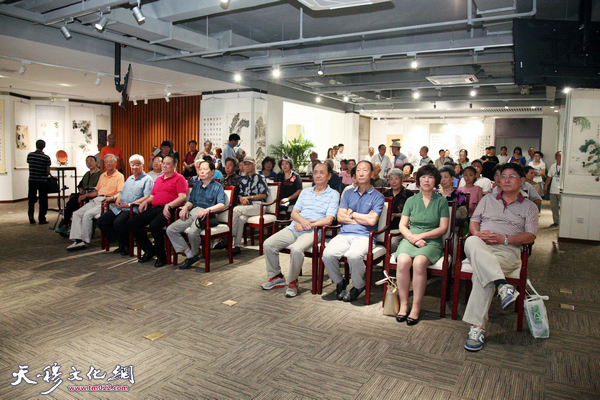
pixel 369 273
pixel 230 248
pixel 130 244
pixel 206 252
pixel 261 238
pixel 520 312
pixel 175 257
pixel 168 247
pixel 315 274
pixel 443 297
pixel 252 236
pixel 320 277
pixel 455 297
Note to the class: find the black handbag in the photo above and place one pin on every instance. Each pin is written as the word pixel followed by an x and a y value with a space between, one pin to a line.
pixel 201 223
pixel 52 184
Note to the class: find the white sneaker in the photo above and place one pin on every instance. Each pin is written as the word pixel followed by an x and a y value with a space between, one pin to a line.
pixel 292 290
pixel 475 339
pixel 274 283
pixel 77 246
pixel 507 294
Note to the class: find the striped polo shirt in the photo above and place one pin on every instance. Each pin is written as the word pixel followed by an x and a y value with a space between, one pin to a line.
pixel 494 215
pixel 38 163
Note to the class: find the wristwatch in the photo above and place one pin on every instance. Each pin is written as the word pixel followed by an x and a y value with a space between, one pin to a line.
pixel 506 240
pixel 351 215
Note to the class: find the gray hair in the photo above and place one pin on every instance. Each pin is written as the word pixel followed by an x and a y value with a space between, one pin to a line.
pixel 397 172
pixel 136 157
pixel 207 142
pixel 111 155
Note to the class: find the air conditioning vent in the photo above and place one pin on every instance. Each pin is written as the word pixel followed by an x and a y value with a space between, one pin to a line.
pixel 320 5
pixel 452 79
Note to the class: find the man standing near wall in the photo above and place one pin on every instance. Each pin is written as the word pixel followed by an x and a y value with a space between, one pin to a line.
pixel 39 169
pixel 553 181
pixel 229 148
pixel 399 158
pixel 112 149
pixel 382 159
pixel 425 160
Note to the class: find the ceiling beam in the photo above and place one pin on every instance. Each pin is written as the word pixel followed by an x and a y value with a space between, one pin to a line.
pixel 181 10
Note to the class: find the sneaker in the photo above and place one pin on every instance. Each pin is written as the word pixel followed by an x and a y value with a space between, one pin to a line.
pixel 274 283
pixel 507 294
pixel 292 290
pixel 218 245
pixel 475 339
pixel 77 246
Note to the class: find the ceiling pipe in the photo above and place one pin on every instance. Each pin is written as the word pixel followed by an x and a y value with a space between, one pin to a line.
pixel 319 39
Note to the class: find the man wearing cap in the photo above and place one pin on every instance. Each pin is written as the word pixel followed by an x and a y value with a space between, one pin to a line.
pixel 399 158
pixel 383 160
pixel 253 191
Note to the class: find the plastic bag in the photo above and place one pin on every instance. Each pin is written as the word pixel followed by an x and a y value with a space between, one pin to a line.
pixel 537 317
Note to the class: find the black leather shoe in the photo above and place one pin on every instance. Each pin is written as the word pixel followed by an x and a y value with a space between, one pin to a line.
pixel 236 251
pixel 352 294
pixel 340 289
pixel 125 251
pixel 117 250
pixel 160 263
pixel 189 262
pixel 401 318
pixel 31 221
pixel 42 222
pixel 146 257
pixel 411 322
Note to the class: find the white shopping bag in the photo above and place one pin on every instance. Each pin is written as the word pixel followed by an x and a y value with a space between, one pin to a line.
pixel 537 317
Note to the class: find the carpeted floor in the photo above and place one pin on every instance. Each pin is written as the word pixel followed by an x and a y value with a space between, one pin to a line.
pixel 71 309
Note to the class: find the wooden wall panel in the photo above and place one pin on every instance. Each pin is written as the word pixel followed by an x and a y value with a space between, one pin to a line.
pixel 146 125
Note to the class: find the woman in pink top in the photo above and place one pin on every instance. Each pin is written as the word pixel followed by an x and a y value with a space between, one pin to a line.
pixel 475 192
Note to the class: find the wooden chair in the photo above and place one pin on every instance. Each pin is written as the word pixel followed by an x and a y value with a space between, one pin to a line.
pixel 269 212
pixel 374 254
pixel 441 268
pixel 168 245
pixel 464 271
pixel 223 230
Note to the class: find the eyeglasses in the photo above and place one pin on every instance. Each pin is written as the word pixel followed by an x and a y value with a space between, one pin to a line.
pixel 511 176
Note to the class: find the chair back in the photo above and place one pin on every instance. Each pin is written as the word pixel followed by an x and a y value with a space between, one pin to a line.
pixel 223 217
pixel 384 219
pixel 451 220
pixel 307 184
pixel 273 196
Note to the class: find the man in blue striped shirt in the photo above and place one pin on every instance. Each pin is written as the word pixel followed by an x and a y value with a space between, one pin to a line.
pixel 316 206
pixel 207 196
pixel 39 169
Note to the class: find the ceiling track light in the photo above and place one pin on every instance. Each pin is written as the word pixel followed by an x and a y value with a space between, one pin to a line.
pixel 134 102
pixel 98 80
pixel 22 69
pixel 320 71
pixel 276 72
pixel 145 100
pixel 470 105
pixel 167 99
pixel 434 106
pixel 416 94
pixel 137 13
pixel 65 31
pixel 166 91
pixel 237 77
pixel 318 99
pixel 415 63
pixel 101 23
pixel 473 93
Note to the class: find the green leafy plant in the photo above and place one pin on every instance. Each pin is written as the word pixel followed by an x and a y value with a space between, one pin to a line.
pixel 298 149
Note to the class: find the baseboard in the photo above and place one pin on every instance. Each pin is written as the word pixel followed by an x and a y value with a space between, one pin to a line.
pixel 24 199
pixel 582 241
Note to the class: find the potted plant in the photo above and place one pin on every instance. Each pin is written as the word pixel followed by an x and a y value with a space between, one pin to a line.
pixel 298 149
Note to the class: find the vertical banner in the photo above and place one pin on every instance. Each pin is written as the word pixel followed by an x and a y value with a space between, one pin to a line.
pixel 2 139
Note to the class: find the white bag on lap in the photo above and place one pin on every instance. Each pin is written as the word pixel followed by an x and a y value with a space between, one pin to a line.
pixel 537 317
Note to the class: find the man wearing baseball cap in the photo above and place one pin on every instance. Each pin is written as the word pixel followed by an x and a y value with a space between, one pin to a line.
pixel 399 158
pixel 253 191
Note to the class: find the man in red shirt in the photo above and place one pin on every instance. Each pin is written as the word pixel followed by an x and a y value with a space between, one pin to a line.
pixel 112 149
pixel 169 192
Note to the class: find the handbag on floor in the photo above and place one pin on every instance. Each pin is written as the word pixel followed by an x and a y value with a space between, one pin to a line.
pixel 392 301
pixel 537 317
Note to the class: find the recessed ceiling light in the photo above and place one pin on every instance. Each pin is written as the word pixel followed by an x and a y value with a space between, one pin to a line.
pixel 318 99
pixel 416 94
pixel 566 90
pixel 555 110
pixel 276 72
pixel 346 98
pixel 533 107
pixel 64 84
pixel 237 77
pixel 473 93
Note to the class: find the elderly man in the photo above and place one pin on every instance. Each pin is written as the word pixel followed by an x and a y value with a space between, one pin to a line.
pixel 168 193
pixel 382 159
pixel 207 196
pixel 112 149
pixel 253 191
pixel 399 158
pixel 316 206
pixel 136 189
pixel 109 185
pixel 369 156
pixel 189 167
pixel 358 213
pixel 376 180
pixel 313 161
pixel 500 225
pixel 425 159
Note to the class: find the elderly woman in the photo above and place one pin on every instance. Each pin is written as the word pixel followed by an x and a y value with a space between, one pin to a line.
pixel 399 194
pixel 268 163
pixel 291 183
pixel 156 168
pixel 463 160
pixel 424 221
pixel 450 193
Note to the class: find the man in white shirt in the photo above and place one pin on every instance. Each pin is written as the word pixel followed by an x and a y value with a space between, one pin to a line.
pixel 369 156
pixel 383 160
pixel 554 177
pixel 484 183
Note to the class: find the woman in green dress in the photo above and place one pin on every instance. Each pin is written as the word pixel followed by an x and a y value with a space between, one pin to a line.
pixel 424 221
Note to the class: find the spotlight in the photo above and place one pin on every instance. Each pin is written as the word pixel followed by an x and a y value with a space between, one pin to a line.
pixel 414 64
pixel 166 91
pixel 473 93
pixel 506 107
pixel 416 94
pixel 65 31
pixel 346 98
pixel 22 69
pixel 167 99
pixel 320 71
pixel 145 100
pixel 566 90
pixel 137 13
pixel 318 99
pixel 276 72
pixel 533 107
pixel 237 77
pixel 101 23
pixel 225 4
pixel 134 102
pixel 98 80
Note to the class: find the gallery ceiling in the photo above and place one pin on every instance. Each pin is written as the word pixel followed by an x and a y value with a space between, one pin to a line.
pixel 393 55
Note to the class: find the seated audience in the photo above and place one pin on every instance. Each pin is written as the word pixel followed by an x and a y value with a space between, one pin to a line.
pixel 156 168
pixel 109 184
pixel 503 157
pixel 207 151
pixel 207 196
pixel 500 225
pixel 345 173
pixel 316 206
pixel 268 163
pixel 216 173
pixel 484 183
pixel 463 160
pixel 253 191
pixel 189 169
pixel 166 149
pixel 87 184
pixel 168 193
pixel 399 194
pixel 439 163
pixel 354 181
pixel 136 189
pixel 458 174
pixel 475 192
pixel 527 190
pixel 407 169
pixel 313 162
pixel 376 180
pixel 291 184
pixel 231 177
pixel 335 182
pixel 358 214
pixel 424 221
pixel 448 191
pixel 218 159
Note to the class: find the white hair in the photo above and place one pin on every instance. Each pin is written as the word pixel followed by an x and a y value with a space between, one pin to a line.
pixel 136 157
pixel 111 155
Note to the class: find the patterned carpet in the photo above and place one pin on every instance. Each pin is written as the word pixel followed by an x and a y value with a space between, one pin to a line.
pixel 71 308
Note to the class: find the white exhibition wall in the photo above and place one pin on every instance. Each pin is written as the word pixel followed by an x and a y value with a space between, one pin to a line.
pixel 26 121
